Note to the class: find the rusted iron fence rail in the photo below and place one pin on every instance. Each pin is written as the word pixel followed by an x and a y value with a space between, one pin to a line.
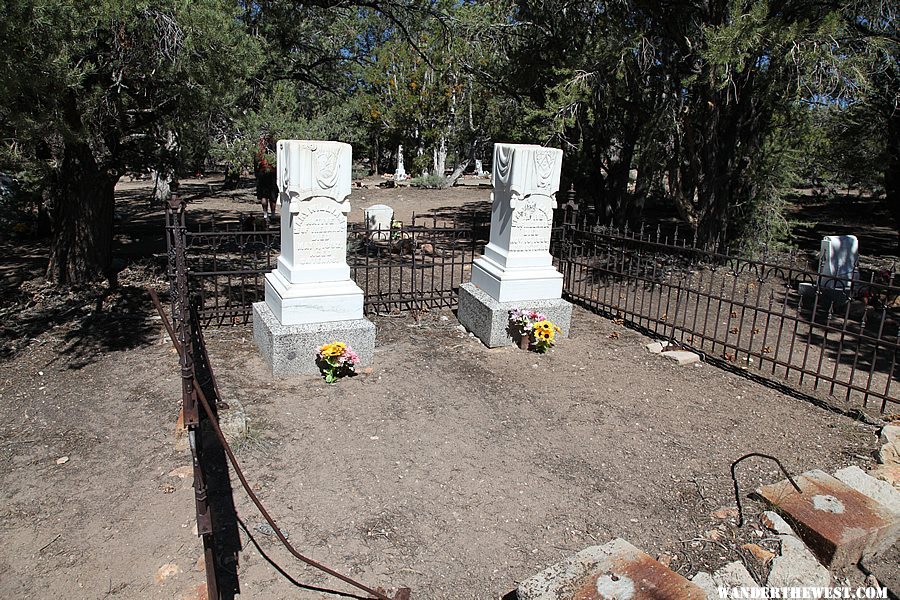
pixel 834 338
pixel 220 556
pixel 414 266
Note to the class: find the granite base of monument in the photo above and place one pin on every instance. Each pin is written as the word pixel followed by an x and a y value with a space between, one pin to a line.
pixel 291 349
pixel 488 319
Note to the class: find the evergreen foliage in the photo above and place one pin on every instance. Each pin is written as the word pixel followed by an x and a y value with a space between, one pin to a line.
pixel 717 108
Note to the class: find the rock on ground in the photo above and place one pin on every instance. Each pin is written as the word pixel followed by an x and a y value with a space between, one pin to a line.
pixel 682 357
pixel 734 574
pixel 796 566
pixel 880 491
pixel 888 473
pixel 774 522
pixel 705 582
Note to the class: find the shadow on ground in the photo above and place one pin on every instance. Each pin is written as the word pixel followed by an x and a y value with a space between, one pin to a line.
pixel 475 216
pixel 90 325
pixel 868 217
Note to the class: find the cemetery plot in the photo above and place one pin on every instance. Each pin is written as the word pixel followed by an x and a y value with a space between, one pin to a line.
pixel 746 314
pixel 461 470
pixel 419 265
pixel 456 470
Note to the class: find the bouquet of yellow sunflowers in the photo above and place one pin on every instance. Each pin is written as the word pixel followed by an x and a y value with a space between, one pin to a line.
pixel 544 333
pixel 336 360
pixel 533 329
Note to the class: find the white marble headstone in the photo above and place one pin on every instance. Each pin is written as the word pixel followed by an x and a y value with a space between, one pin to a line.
pixel 400 173
pixel 479 168
pixel 516 264
pixel 309 169
pixel 312 281
pixel 838 261
pixel 379 218
pixel 314 184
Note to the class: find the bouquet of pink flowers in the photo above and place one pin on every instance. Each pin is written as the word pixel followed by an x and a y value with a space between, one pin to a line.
pixel 523 320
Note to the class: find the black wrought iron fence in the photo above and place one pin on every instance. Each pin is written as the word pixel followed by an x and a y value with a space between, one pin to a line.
pixel 227 263
pixel 838 338
pixel 414 266
pixel 828 334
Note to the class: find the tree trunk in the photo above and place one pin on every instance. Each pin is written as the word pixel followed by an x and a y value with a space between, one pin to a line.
pixel 682 176
pixel 457 172
pixel 82 218
pixel 161 187
pixel 892 170
pixel 642 184
pixel 716 160
pixel 733 132
pixel 617 182
pixel 440 158
pixel 375 157
pixel 164 177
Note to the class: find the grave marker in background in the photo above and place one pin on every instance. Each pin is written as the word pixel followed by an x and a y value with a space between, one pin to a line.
pixel 400 173
pixel 379 218
pixel 838 260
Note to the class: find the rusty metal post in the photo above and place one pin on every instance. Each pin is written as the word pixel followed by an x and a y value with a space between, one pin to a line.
pixel 181 314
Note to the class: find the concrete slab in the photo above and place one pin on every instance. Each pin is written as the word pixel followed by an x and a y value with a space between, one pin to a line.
pixel 732 575
pixel 614 570
pixel 704 581
pixel 682 357
pixel 654 347
pixel 796 566
pixel 839 524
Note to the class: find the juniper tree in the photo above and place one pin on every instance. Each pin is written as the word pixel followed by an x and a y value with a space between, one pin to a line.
pixel 90 91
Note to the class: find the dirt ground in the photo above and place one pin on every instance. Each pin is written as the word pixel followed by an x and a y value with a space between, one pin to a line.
pixel 207 200
pixel 451 469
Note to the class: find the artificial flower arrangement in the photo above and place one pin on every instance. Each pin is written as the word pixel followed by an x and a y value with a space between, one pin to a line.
pixel 336 360
pixel 544 333
pixel 534 329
